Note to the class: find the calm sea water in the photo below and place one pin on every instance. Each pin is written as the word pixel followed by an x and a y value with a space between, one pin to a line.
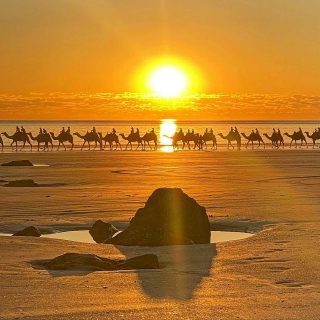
pixel 161 127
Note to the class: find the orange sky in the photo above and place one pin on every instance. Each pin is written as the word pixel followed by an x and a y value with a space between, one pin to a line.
pixel 247 48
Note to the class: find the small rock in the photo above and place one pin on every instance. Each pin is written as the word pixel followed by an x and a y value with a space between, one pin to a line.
pixel 91 262
pixel 101 231
pixel 22 183
pixel 18 163
pixel 28 232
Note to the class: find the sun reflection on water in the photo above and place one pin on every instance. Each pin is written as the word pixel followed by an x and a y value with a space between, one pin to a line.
pixel 167 129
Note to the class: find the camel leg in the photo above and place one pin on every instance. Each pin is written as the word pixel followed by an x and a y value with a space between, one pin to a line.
pixel 65 149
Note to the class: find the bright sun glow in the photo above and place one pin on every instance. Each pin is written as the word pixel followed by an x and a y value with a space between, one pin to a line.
pixel 167 129
pixel 168 82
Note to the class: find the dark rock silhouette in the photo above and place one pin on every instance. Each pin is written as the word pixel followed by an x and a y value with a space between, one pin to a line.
pixel 170 217
pixel 101 231
pixel 18 163
pixel 22 183
pixel 28 232
pixel 91 262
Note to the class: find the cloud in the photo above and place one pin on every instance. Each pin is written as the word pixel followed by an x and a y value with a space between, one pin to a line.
pixel 138 106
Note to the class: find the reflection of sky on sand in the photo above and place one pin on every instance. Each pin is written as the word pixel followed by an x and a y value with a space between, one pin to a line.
pixel 167 129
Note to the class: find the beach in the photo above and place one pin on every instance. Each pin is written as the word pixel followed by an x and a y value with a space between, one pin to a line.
pixel 272 275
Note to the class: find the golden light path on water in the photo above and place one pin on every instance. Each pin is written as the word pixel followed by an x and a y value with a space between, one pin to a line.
pixel 167 129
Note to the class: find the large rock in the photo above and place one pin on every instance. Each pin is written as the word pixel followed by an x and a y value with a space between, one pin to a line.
pixel 91 262
pixel 18 163
pixel 101 231
pixel 22 183
pixel 170 217
pixel 28 232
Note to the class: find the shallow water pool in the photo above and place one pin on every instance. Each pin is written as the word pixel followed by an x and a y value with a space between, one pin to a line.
pixel 85 237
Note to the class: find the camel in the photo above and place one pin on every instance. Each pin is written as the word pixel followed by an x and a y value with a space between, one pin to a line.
pixel 314 137
pixel 18 137
pixel 276 139
pixel 132 137
pixel 209 136
pixel 297 135
pixel 110 138
pixel 1 142
pixel 192 137
pixel 178 136
pixel 150 136
pixel 184 138
pixel 253 136
pixel 232 136
pixel 62 138
pixel 42 138
pixel 90 137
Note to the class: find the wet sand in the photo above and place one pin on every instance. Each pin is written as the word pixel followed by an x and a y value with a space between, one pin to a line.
pixel 273 275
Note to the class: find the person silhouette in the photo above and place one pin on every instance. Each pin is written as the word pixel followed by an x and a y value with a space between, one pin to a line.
pixel 40 131
pixel 236 130
pixel 180 131
pixel 206 131
pixel 63 130
pixel 231 129
pixel 68 130
pixel 23 130
pixel 192 131
pixel 257 132
pixel 17 129
pixel 274 130
pixel 132 130
pixel 114 131
pixel 94 130
pixel 279 132
pixel 211 131
pixel 152 130
pixel 137 132
pixel 44 131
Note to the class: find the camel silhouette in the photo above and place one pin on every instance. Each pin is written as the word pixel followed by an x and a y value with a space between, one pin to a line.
pixel 209 136
pixel 133 137
pixel 90 137
pixel 276 139
pixel 196 138
pixel 296 136
pixel 177 136
pixel 253 136
pixel 62 138
pixel 110 138
pixel 192 137
pixel 44 138
pixel 314 137
pixel 232 136
pixel 148 137
pixel 1 142
pixel 18 137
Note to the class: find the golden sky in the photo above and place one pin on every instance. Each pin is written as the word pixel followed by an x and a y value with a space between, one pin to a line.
pixel 264 48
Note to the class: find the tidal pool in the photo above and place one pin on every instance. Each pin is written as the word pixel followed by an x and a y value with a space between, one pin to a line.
pixel 85 237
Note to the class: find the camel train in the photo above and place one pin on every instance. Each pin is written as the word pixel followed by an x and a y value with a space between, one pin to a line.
pixel 179 140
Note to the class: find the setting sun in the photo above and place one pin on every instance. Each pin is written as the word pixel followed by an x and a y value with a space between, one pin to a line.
pixel 168 82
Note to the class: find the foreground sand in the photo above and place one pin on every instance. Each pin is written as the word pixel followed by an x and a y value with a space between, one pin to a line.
pixel 273 275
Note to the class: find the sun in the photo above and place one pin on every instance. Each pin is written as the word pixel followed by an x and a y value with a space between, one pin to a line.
pixel 168 81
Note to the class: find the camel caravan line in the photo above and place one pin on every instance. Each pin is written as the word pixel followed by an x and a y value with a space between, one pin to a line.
pixel 179 140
